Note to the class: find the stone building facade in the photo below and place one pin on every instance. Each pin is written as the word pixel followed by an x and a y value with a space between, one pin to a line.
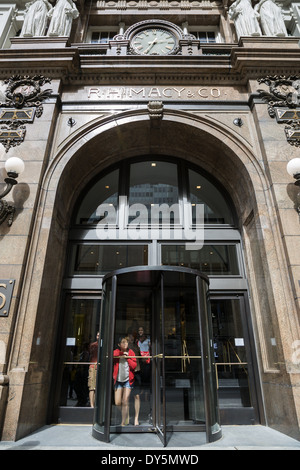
pixel 197 95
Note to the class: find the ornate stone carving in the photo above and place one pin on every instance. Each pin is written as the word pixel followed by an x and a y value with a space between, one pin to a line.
pixel 292 132
pixel 62 16
pixel 271 19
pixel 245 18
pixel 21 92
pixel 283 92
pixel 35 21
pixel 170 40
pixel 39 12
pixel 10 136
pixel 154 24
pixel 155 109
pixel 156 4
pixel 287 114
pixel 6 211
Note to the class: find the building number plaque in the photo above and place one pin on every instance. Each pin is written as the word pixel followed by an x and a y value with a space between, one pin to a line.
pixel 6 291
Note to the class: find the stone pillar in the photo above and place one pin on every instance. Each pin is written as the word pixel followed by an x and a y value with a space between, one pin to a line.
pixel 279 337
pixel 18 376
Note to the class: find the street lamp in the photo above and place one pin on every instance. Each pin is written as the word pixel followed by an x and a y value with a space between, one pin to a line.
pixel 14 167
pixel 293 169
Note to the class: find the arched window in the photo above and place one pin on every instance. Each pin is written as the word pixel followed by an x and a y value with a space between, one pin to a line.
pixel 103 191
pixel 203 191
pixel 153 182
pixel 144 212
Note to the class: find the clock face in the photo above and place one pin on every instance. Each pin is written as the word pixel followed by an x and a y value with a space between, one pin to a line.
pixel 154 41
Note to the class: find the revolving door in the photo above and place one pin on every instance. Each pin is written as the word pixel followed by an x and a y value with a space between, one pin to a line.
pixel 163 314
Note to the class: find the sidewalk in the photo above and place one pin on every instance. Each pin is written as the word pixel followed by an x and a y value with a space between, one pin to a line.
pixel 78 437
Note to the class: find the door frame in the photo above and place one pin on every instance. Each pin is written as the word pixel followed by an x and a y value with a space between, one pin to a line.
pixel 212 433
pixel 254 414
pixel 56 411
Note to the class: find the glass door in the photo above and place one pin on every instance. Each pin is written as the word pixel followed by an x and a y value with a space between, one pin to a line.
pixel 234 360
pixel 105 362
pixel 135 304
pixel 184 380
pixel 158 363
pixel 154 361
pixel 77 370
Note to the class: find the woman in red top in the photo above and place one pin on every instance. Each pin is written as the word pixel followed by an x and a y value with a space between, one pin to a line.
pixel 123 375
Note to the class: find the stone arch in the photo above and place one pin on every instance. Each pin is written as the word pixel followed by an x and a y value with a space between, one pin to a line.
pixel 216 147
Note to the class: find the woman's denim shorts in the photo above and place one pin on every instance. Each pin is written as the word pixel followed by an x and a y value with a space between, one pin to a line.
pixel 122 385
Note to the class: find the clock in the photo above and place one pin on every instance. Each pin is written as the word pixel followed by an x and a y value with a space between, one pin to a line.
pixel 153 41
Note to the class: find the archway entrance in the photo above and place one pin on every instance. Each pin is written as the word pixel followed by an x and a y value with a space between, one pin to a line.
pixel 124 196
pixel 163 379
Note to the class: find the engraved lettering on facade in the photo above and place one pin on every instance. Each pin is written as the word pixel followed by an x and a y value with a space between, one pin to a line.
pixel 137 92
pixel 154 93
pixel 203 93
pixel 179 92
pixel 167 92
pixel 215 92
pixel 94 93
pixel 142 93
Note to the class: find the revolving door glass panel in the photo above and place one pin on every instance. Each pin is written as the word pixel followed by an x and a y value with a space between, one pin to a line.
pixel 155 358
pixel 182 352
pixel 103 388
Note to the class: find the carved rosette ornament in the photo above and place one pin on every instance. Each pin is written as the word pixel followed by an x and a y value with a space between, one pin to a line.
pixel 23 101
pixel 283 99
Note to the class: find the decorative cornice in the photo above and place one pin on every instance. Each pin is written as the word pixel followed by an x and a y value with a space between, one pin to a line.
pixel 80 63
pixel 155 5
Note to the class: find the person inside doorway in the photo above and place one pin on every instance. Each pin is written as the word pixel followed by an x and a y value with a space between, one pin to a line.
pixel 136 391
pixel 93 370
pixel 123 376
pixel 144 344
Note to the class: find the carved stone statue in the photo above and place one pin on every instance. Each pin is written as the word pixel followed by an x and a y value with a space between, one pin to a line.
pixel 245 18
pixel 271 18
pixel 35 21
pixel 62 16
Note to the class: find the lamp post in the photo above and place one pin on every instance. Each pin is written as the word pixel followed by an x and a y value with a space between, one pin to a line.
pixel 14 167
pixel 293 169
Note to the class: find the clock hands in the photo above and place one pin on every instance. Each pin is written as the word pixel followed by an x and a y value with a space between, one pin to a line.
pixel 163 38
pixel 151 45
